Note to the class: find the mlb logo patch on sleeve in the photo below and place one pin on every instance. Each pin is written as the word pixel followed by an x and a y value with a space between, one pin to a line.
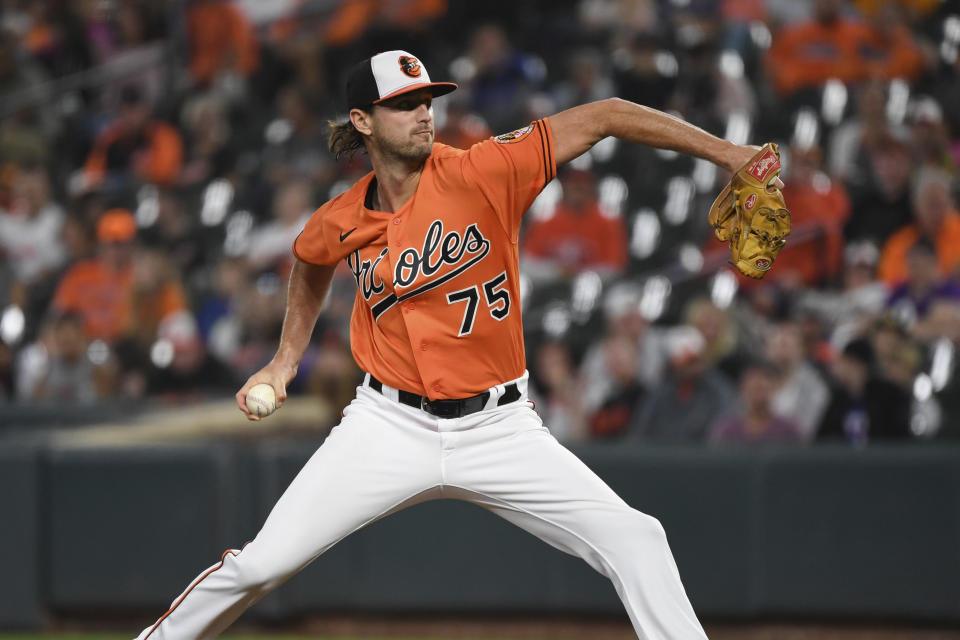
pixel 515 136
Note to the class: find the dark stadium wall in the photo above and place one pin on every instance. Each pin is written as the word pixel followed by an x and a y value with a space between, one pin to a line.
pixel 799 534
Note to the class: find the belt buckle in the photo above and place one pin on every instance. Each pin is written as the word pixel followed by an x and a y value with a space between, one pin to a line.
pixel 424 404
pixel 443 408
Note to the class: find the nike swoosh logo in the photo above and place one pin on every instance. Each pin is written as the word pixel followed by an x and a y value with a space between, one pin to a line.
pixel 343 236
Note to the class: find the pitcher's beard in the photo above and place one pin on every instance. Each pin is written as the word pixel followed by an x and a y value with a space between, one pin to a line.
pixel 412 150
pixel 415 151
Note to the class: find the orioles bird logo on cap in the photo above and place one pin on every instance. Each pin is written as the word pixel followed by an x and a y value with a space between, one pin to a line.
pixel 409 66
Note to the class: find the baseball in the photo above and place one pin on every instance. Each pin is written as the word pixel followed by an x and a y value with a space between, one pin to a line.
pixel 261 400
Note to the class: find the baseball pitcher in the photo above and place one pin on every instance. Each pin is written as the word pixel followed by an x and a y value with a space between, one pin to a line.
pixel 430 236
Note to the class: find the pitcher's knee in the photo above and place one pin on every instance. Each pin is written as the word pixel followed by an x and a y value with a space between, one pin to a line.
pixel 636 537
pixel 647 529
pixel 253 573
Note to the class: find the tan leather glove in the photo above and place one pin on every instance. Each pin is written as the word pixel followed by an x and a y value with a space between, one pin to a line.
pixel 751 214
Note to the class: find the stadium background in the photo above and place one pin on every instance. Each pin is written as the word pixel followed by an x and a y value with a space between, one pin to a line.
pixel 157 159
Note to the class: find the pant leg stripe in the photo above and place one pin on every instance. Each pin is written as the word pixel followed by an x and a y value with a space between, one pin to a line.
pixel 176 604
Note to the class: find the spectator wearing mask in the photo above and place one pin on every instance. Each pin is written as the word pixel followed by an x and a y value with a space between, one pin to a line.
pixel 579 234
pixel 863 406
pixel 935 218
pixel 756 421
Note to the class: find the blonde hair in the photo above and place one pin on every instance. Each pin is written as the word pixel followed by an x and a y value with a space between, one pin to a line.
pixel 344 139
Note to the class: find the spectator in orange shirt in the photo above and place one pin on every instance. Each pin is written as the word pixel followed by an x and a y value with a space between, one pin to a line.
pixel 891 49
pixel 936 219
pixel 221 40
pixel 113 298
pixel 98 289
pixel 806 55
pixel 135 147
pixel 352 18
pixel 819 207
pixel 578 235
pixel 916 9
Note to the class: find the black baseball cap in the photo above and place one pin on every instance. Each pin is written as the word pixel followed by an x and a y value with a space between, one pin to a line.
pixel 388 75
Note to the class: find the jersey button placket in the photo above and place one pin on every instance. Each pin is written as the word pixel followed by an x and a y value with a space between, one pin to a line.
pixel 396 236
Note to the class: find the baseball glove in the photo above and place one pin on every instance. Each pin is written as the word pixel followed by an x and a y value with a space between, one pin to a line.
pixel 751 214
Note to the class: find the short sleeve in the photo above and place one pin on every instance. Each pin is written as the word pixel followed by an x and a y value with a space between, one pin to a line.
pixel 512 169
pixel 311 245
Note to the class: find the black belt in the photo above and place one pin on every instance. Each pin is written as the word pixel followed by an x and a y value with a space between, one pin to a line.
pixel 454 408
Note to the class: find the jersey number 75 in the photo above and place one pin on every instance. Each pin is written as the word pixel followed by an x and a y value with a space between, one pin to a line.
pixel 498 301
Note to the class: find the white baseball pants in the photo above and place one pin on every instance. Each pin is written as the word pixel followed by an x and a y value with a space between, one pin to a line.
pixel 385 456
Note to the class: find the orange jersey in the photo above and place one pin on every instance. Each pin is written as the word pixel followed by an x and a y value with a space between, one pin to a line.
pixel 161 154
pixel 221 39
pixel 893 269
pixel 98 293
pixel 437 310
pixel 581 240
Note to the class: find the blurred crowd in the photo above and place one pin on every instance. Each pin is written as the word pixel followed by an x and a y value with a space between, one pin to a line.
pixel 157 159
